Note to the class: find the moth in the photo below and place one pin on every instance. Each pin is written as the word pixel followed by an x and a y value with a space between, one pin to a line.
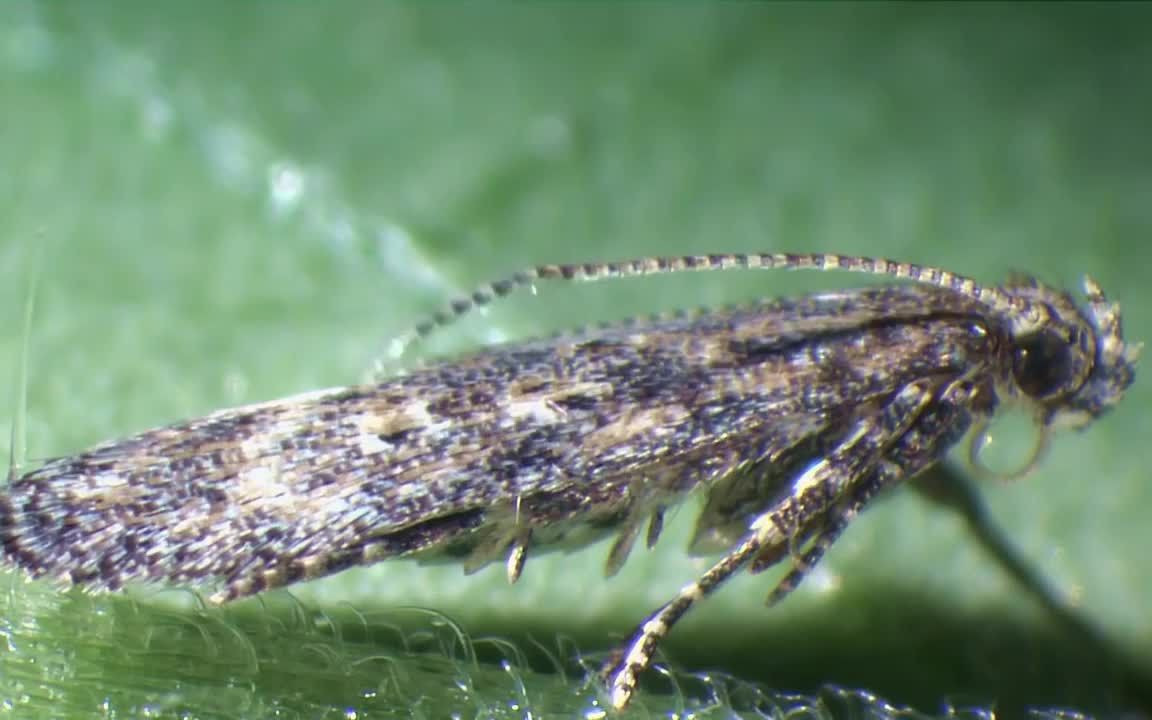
pixel 787 415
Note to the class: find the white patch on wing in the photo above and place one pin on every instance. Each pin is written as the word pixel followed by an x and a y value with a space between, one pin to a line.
pixel 371 444
pixel 541 410
pixel 264 483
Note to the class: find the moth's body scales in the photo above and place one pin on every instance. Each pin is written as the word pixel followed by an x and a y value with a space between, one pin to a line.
pixel 787 415
pixel 294 478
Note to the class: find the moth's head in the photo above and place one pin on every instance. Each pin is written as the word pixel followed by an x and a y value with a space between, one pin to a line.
pixel 1074 364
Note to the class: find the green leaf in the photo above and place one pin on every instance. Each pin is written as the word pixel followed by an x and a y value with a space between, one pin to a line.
pixel 237 202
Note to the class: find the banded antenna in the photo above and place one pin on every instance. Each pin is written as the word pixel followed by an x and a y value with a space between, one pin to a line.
pixel 994 298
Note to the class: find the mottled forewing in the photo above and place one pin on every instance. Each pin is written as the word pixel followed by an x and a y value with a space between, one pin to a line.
pixel 591 427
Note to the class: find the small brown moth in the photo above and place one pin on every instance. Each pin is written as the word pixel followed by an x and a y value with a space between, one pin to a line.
pixel 788 415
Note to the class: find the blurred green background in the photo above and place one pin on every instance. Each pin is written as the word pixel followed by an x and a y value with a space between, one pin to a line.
pixel 225 203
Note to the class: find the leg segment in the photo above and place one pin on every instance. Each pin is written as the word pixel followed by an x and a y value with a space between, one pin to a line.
pixel 913 431
pixel 814 492
pixel 937 429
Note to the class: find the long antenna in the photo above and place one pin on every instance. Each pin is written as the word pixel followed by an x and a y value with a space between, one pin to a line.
pixel 993 297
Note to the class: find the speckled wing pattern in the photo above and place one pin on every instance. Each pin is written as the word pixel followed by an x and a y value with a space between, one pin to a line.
pixel 551 442
pixel 789 416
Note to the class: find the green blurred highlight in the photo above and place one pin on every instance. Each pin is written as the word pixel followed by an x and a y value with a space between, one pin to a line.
pixel 240 202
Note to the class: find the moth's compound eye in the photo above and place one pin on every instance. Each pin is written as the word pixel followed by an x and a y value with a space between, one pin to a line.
pixel 1044 364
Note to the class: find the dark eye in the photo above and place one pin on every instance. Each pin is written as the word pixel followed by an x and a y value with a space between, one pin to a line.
pixel 1043 364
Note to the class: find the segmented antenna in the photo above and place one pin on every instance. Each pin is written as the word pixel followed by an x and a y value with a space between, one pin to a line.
pixel 994 298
